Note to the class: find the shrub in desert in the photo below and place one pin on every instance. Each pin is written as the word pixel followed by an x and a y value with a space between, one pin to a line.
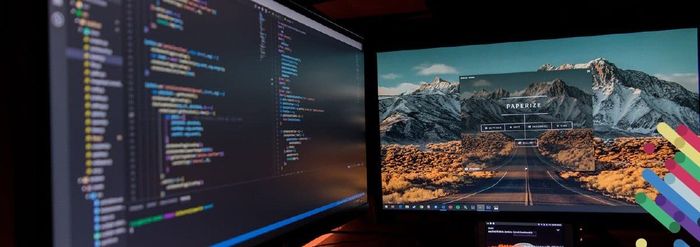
pixel 413 195
pixel 395 184
pixel 629 151
pixel 410 174
pixel 621 183
pixel 571 149
pixel 484 149
pixel 619 165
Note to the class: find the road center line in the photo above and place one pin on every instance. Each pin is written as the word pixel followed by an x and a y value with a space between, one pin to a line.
pixel 527 187
pixel 528 194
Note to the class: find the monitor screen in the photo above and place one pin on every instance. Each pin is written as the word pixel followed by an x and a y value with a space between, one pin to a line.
pixel 196 123
pixel 545 125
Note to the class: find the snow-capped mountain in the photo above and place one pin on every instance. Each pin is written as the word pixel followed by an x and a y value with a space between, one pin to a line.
pixel 563 102
pixel 629 102
pixel 624 102
pixel 495 94
pixel 434 111
pixel 437 86
pixel 430 113
pixel 556 88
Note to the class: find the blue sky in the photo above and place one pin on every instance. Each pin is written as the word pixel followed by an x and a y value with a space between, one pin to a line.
pixel 671 55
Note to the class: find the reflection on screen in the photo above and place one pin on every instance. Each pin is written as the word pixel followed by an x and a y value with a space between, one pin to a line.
pixel 519 234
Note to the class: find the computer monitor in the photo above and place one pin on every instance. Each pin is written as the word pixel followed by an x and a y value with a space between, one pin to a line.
pixel 195 123
pixel 560 125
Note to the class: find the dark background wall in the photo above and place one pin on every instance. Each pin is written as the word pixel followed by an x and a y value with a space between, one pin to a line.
pixel 410 24
pixel 25 209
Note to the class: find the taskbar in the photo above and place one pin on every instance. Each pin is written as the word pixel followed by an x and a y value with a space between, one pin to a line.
pixel 509 207
pixel 478 207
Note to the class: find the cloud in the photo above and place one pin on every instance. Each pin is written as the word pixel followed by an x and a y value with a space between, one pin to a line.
pixel 435 69
pixel 390 76
pixel 398 89
pixel 687 80
pixel 481 83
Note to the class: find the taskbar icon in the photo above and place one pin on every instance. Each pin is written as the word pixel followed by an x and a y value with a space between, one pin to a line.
pixel 445 207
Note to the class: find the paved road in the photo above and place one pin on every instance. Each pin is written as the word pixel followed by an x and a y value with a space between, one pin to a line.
pixel 539 185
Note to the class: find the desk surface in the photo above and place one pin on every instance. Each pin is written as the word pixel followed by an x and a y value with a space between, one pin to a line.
pixel 363 231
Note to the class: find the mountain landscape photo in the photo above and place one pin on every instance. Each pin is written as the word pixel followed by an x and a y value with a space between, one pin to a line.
pixel 621 111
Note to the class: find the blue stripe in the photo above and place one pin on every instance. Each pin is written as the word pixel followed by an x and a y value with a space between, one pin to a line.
pixel 671 195
pixel 680 243
pixel 279 224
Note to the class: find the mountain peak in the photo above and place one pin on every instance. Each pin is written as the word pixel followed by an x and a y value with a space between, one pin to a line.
pixel 437 86
pixel 600 60
pixel 600 63
pixel 437 79
pixel 546 67
pixel 495 94
pixel 604 71
pixel 593 64
pixel 558 82
pixel 553 88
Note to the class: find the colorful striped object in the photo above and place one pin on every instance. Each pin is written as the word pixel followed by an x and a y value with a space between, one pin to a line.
pixel 671 194
pixel 658 213
pixel 683 175
pixel 688 165
pixel 678 216
pixel 683 190
pixel 678 141
pixel 689 136
pixel 678 202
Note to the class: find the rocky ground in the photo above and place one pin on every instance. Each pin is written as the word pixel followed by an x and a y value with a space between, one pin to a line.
pixel 413 173
pixel 485 149
pixel 572 149
pixel 619 167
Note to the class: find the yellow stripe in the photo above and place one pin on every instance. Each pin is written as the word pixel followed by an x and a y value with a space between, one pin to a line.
pixel 188 211
pixel 679 142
